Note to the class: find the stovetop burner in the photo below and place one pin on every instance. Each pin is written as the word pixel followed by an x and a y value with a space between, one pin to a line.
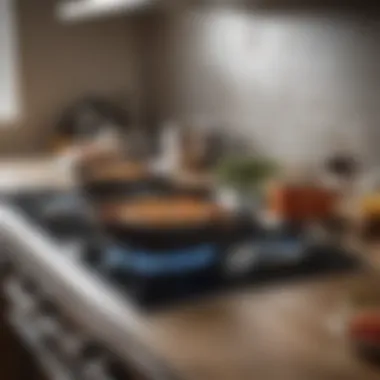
pixel 66 218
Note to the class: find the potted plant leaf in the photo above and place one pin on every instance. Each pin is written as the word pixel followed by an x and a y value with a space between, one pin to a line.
pixel 245 176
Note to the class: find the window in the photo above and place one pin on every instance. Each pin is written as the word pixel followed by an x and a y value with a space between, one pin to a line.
pixel 9 102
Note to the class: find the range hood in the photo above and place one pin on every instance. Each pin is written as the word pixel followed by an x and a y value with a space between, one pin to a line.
pixel 76 10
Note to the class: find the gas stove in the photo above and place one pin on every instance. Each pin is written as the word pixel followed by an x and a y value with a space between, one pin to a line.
pixel 252 260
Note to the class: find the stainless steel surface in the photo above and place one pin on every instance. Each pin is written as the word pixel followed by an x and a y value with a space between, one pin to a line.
pixel 52 367
pixel 104 314
pixel 35 174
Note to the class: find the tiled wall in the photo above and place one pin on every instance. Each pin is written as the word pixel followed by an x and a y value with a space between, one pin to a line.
pixel 295 85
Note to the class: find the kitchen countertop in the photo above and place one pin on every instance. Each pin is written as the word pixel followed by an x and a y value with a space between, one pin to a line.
pixel 289 331
pixel 35 174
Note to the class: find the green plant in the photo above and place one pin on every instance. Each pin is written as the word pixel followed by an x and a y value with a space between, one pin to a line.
pixel 246 173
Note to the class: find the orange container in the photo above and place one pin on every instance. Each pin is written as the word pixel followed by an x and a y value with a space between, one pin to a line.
pixel 302 203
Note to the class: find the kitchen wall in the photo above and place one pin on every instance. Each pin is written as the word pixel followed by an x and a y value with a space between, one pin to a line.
pixel 61 62
pixel 295 85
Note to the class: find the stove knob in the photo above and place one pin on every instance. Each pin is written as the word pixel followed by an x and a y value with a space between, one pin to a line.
pixel 106 368
pixel 94 370
pixel 92 351
pixel 29 286
pixel 51 333
pixel 49 309
pixel 78 350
